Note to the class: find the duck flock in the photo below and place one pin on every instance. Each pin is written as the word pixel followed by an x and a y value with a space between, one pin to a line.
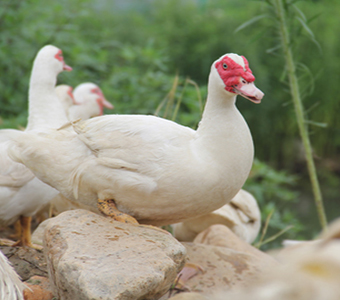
pixel 138 169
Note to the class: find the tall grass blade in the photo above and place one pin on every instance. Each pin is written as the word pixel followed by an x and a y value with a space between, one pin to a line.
pixel 199 97
pixel 168 99
pixel 275 236
pixel 179 101
pixel 264 230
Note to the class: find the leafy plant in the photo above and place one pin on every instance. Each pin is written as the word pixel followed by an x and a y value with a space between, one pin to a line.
pixel 277 198
pixel 284 10
pixel 295 92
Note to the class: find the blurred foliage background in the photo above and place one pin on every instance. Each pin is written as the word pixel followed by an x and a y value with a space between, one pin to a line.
pixel 147 53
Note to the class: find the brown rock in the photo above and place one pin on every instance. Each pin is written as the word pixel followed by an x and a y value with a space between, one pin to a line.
pixel 39 289
pixel 93 257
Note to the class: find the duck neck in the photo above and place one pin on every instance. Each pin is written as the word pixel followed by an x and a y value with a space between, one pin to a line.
pixel 223 132
pixel 45 109
pixel 220 112
pixel 85 110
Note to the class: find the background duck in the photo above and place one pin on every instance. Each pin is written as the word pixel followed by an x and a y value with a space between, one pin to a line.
pixel 21 193
pixel 86 101
pixel 241 215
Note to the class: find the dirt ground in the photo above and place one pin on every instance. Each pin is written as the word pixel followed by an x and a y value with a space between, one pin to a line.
pixel 31 266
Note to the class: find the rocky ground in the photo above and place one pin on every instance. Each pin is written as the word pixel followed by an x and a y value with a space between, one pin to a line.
pixel 88 256
pixel 30 264
pixel 127 261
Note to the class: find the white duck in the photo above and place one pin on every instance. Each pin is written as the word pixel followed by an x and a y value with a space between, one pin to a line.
pixel 86 101
pixel 153 169
pixel 91 102
pixel 65 95
pixel 21 193
pixel 11 287
pixel 241 215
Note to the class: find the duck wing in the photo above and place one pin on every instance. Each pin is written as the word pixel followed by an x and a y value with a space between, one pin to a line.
pixel 133 142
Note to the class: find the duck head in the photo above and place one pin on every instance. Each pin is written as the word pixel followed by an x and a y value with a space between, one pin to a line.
pixel 49 61
pixel 59 56
pixel 91 92
pixel 65 94
pixel 237 77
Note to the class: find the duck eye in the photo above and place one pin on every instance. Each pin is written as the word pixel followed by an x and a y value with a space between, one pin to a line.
pixel 225 66
pixel 243 81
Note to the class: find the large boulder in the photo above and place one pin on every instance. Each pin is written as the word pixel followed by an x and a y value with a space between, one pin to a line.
pixel 94 257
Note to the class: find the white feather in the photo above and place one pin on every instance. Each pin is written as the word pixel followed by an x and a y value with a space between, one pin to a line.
pixel 11 287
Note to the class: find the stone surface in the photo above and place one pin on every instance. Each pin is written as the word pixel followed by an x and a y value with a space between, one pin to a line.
pixel 39 289
pixel 222 236
pixel 224 268
pixel 189 296
pixel 27 262
pixel 93 257
pixel 309 271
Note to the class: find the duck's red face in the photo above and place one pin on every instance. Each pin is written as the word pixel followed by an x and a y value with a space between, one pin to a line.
pixel 238 79
pixel 59 56
pixel 70 93
pixel 102 102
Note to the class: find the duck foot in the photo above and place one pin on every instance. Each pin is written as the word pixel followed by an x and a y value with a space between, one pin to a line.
pixel 109 208
pixel 25 236
pixel 27 244
pixel 6 242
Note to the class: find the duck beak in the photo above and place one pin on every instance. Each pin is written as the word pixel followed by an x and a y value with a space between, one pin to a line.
pixel 107 104
pixel 249 91
pixel 67 68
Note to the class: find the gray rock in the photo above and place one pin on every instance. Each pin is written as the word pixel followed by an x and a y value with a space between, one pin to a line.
pixel 224 268
pixel 309 272
pixel 38 234
pixel 93 257
pixel 222 236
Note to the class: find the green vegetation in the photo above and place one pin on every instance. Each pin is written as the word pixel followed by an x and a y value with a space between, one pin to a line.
pixel 286 12
pixel 155 56
pixel 281 12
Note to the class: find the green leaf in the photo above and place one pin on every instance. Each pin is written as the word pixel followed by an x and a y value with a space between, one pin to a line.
pixel 318 124
pixel 305 26
pixel 310 33
pixel 250 22
pixel 300 13
pixel 272 50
